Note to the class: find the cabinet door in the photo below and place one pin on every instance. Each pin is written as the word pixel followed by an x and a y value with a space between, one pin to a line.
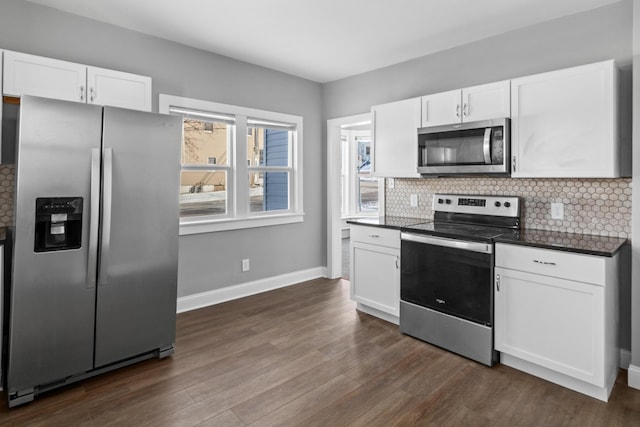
pixel 442 108
pixel 118 89
pixel 395 139
pixel 564 123
pixel 554 323
pixel 486 102
pixel 375 277
pixel 50 78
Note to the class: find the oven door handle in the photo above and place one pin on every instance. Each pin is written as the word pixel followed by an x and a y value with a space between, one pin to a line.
pixel 484 248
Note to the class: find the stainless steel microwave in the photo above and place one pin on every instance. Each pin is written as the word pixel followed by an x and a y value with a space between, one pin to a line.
pixel 464 149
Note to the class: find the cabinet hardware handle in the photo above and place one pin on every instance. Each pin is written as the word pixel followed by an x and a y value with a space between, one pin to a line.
pixel 514 163
pixel 498 282
pixel 374 235
pixel 457 110
pixel 465 110
pixel 397 263
pixel 81 93
pixel 544 262
pixel 92 94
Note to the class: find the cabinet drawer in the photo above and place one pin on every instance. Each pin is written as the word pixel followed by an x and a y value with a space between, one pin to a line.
pixel 375 236
pixel 564 265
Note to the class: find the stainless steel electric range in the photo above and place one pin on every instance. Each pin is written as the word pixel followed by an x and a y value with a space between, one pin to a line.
pixel 446 286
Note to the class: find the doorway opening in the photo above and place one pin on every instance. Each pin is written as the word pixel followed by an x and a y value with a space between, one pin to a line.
pixel 353 190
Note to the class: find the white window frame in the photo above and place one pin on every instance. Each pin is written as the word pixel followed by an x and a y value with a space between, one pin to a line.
pixel 350 178
pixel 238 211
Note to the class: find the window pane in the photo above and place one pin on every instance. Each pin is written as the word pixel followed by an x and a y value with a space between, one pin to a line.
pixel 363 163
pixel 267 147
pixel 268 191
pixel 367 194
pixel 203 192
pixel 205 142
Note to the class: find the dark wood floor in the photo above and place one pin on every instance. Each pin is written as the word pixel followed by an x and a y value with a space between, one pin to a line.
pixel 303 355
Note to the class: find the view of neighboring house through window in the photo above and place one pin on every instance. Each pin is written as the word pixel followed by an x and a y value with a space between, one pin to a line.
pixel 238 164
pixel 360 191
pixel 205 166
pixel 269 162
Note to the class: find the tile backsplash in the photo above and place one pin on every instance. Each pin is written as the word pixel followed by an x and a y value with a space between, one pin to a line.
pixel 591 206
pixel 7 183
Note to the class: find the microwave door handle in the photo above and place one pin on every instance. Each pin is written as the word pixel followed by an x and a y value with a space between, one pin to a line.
pixel 486 146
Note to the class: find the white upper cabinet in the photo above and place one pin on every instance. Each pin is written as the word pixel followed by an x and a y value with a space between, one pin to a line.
pixel 395 139
pixel 483 102
pixel 565 124
pixel 26 74
pixel 50 78
pixel 443 108
pixel 117 88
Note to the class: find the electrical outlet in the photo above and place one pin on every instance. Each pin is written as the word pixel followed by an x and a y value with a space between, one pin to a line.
pixel 391 183
pixel 557 210
pixel 413 200
pixel 245 264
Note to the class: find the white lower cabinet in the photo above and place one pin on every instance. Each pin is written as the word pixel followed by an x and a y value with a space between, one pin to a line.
pixel 555 321
pixel 375 271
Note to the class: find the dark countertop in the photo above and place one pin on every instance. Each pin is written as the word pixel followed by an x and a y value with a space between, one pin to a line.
pixel 3 235
pixel 394 222
pixel 569 242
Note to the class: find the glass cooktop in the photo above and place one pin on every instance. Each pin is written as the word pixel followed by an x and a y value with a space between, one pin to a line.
pixel 462 231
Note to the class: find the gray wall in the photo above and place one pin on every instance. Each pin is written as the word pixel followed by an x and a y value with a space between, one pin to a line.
pixel 591 36
pixel 207 261
pixel 595 35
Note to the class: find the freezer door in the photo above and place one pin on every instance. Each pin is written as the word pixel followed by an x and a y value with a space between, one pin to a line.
pixel 51 322
pixel 137 281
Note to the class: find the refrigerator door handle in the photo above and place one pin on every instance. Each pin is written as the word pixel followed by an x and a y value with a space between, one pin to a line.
pixel 106 215
pixel 94 219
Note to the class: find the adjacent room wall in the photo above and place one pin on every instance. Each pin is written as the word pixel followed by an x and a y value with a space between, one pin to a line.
pixel 207 261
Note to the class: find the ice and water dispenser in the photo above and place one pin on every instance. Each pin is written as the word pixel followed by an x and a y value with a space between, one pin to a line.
pixel 58 223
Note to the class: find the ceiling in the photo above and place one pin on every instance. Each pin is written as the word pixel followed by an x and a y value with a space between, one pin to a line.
pixel 323 40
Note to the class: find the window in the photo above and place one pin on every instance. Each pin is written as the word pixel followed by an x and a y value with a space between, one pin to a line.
pixel 240 167
pixel 361 192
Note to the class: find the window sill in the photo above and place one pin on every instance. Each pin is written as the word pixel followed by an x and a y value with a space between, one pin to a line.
pixel 191 226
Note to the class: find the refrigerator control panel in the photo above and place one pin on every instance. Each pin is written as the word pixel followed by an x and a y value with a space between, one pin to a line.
pixel 58 224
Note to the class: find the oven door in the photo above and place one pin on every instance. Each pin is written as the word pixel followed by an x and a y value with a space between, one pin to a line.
pixel 447 275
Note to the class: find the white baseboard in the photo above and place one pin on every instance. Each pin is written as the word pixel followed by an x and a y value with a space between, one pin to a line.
pixel 625 358
pixel 633 377
pixel 216 296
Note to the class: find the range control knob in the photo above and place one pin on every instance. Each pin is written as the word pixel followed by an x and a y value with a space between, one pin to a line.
pixel 507 204
pixel 497 204
pixel 448 201
pixel 440 201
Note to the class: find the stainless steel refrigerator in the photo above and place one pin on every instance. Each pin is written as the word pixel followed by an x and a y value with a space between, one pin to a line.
pixel 95 243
